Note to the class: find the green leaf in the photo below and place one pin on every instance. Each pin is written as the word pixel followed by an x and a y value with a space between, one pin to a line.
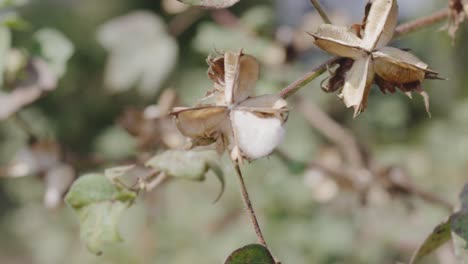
pixel 95 188
pixel 99 205
pixel 440 235
pixel 141 52
pixel 190 165
pixel 99 224
pixel 56 49
pixel 210 3
pixel 251 254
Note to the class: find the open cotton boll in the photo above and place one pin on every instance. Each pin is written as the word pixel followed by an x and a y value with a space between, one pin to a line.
pixel 256 136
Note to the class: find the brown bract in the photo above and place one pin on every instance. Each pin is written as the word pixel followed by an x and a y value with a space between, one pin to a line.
pixel 248 127
pixel 458 14
pixel 366 58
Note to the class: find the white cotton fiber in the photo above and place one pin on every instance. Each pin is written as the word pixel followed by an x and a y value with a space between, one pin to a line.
pixel 256 136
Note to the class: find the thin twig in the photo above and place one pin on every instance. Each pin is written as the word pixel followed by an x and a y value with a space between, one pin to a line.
pixel 422 22
pixel 307 78
pixel 401 30
pixel 321 11
pixel 248 205
pixel 427 196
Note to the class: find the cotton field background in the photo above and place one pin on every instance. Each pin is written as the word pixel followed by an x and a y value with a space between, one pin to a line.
pixel 87 86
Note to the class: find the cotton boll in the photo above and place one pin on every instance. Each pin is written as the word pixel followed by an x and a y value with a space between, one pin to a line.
pixel 256 136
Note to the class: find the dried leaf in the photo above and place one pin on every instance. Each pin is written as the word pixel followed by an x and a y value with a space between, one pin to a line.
pixel 248 75
pixel 458 14
pixel 210 3
pixel 340 41
pixel 440 235
pixel 231 75
pixel 398 66
pixel 357 84
pixel 201 121
pixel 380 24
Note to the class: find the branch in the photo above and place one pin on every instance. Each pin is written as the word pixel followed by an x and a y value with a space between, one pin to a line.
pixel 421 23
pixel 401 30
pixel 321 11
pixel 307 78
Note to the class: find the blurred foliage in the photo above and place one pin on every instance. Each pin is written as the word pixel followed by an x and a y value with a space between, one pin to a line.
pixel 177 222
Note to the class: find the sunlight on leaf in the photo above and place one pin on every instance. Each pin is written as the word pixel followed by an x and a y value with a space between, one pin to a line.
pixel 99 206
pixel 251 254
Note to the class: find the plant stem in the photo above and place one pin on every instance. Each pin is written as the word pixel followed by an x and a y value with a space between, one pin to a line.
pixel 248 205
pixel 422 22
pixel 321 11
pixel 401 30
pixel 307 78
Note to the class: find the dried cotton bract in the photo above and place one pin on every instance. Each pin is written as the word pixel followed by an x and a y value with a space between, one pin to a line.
pixel 458 14
pixel 366 58
pixel 248 127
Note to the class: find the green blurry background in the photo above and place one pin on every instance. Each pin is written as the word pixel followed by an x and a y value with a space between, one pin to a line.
pixel 178 223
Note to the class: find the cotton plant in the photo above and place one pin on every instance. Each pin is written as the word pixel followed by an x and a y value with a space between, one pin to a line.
pixel 247 126
pixel 366 58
